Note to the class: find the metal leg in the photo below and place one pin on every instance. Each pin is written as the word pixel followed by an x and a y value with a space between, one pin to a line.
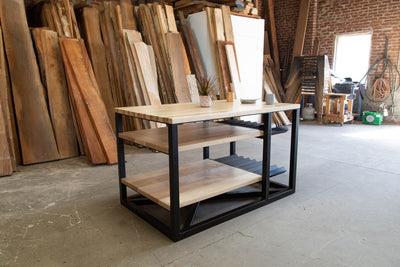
pixel 293 149
pixel 193 212
pixel 267 118
pixel 121 157
pixel 206 152
pixel 174 179
pixel 232 148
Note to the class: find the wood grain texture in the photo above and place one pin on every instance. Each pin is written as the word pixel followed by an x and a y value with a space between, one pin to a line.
pixel 211 30
pixel 177 62
pixel 191 46
pixel 225 72
pixel 219 25
pixel 233 69
pixel 226 15
pixel 90 141
pixel 128 20
pixel 197 181
pixel 191 136
pixel 301 28
pixel 6 167
pixel 5 112
pixel 191 112
pixel 34 126
pixel 81 69
pixel 96 50
pixel 193 89
pixel 270 21
pixel 169 11
pixel 57 92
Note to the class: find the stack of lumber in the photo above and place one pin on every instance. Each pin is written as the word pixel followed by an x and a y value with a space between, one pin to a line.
pixel 42 117
pixel 59 16
pixel 247 8
pixel 223 50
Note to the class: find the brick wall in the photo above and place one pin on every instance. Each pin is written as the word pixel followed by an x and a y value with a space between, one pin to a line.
pixel 329 18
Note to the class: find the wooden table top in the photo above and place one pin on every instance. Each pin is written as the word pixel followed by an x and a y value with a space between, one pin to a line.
pixel 191 112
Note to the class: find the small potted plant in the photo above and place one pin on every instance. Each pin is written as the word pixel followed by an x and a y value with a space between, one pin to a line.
pixel 205 86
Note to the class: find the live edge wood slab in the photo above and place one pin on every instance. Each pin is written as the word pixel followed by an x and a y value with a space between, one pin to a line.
pixel 192 112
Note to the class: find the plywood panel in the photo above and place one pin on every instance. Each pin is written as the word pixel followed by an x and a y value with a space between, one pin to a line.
pixel 35 130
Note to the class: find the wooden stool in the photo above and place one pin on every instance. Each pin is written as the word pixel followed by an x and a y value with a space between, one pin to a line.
pixel 339 113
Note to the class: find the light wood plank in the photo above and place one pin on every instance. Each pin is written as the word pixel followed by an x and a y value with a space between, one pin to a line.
pixel 197 181
pixel 191 136
pixel 226 15
pixel 270 15
pixel 301 28
pixel 191 112
pixel 177 62
pixel 219 25
pixel 233 69
pixel 211 30
pixel 34 126
pixel 193 89
pixel 169 11
pixel 128 20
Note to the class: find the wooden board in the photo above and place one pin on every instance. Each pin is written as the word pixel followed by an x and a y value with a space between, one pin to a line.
pixel 225 73
pixel 219 25
pixel 6 167
pixel 75 27
pixel 176 59
pixel 197 181
pixel 6 114
pixel 191 46
pixel 270 21
pixel 191 136
pixel 232 64
pixel 301 28
pixel 226 15
pixel 169 11
pixel 191 112
pixel 193 89
pixel 80 67
pixel 90 141
pixel 34 126
pixel 146 73
pixel 96 49
pixel 128 20
pixel 57 92
pixel 67 30
pixel 56 19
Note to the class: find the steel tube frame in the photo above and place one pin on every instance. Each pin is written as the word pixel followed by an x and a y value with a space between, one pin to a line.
pixel 173 230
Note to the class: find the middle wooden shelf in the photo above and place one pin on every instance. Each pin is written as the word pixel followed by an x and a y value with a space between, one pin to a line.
pixel 191 136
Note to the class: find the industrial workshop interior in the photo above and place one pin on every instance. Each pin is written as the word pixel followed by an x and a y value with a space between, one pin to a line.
pixel 199 133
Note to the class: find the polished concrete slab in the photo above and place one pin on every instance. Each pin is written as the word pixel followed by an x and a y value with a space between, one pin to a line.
pixel 346 211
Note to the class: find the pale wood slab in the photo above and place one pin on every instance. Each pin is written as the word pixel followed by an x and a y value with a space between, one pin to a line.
pixel 191 112
pixel 211 30
pixel 219 25
pixel 193 89
pixel 177 62
pixel 226 15
pixel 197 181
pixel 301 28
pixel 57 91
pixel 81 68
pixel 233 69
pixel 34 126
pixel 169 11
pixel 96 50
pixel 191 136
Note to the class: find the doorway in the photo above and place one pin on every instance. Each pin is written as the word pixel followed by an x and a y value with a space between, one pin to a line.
pixel 352 55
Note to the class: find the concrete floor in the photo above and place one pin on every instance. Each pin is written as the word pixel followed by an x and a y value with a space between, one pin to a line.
pixel 346 211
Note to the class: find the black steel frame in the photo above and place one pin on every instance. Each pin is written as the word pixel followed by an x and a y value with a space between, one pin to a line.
pixel 173 230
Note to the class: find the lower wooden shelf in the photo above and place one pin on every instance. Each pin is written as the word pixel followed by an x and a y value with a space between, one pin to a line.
pixel 197 181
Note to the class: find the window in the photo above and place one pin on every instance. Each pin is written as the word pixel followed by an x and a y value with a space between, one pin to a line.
pixel 352 55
